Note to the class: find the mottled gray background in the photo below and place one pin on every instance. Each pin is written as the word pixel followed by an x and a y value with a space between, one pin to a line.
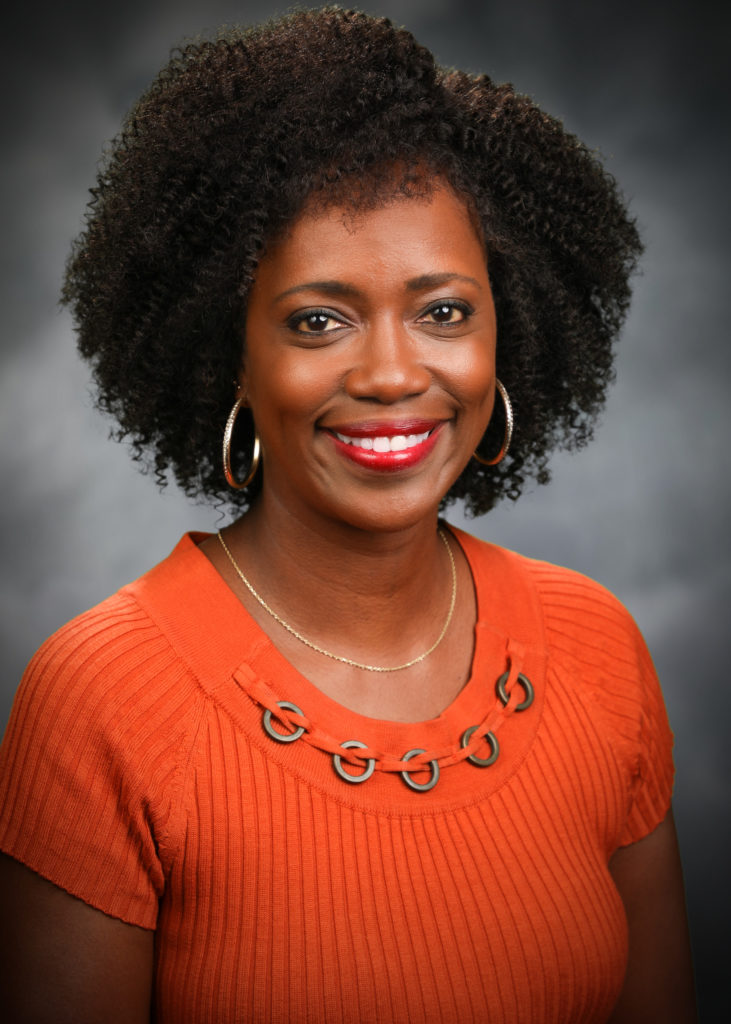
pixel 644 509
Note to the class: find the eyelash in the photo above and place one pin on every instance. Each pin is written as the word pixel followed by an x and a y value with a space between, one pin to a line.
pixel 299 318
pixel 462 307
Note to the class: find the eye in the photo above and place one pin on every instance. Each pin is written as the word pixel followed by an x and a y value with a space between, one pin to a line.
pixel 446 312
pixel 315 321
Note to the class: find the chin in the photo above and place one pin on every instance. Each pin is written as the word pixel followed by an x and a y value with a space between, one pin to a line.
pixel 389 514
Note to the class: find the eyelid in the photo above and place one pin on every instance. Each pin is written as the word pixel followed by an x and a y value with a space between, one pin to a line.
pixel 301 315
pixel 461 305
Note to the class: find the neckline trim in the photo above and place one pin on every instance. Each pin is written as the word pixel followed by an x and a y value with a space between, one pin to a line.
pixel 215 635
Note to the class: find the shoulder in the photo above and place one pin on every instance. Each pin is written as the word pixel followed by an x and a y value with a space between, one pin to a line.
pixel 597 662
pixel 94 756
pixel 595 650
pixel 104 717
pixel 579 615
pixel 111 629
pixel 592 637
pixel 110 674
pixel 114 647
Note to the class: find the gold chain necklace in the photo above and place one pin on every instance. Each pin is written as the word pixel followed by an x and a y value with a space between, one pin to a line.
pixel 338 657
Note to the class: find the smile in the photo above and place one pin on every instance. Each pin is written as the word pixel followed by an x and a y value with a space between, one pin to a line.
pixel 387 448
pixel 398 443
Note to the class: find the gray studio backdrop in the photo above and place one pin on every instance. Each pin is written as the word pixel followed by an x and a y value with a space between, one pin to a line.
pixel 644 509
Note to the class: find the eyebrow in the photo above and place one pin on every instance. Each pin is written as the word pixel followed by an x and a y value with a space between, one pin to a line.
pixel 415 284
pixel 332 287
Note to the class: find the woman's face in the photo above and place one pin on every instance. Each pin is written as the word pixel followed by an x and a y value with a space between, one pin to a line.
pixel 370 360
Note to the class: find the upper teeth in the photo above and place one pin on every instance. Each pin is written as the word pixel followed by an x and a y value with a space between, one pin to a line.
pixel 398 443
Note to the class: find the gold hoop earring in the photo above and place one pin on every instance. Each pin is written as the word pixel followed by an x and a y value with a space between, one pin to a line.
pixel 255 455
pixel 508 435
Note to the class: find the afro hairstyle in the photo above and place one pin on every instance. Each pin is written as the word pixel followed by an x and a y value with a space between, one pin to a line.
pixel 219 156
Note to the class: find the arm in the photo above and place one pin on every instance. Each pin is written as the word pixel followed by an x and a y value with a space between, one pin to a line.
pixel 64 962
pixel 659 981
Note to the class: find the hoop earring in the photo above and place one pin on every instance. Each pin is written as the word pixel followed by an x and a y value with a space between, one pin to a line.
pixel 255 455
pixel 508 435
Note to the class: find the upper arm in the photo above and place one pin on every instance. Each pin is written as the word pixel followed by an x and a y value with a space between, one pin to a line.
pixel 659 981
pixel 62 960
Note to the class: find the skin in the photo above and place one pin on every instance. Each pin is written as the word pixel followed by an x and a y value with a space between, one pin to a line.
pixel 386 316
pixel 383 316
pixel 410 332
pixel 659 981
pixel 64 962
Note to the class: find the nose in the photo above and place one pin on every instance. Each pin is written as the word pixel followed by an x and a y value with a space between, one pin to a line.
pixel 389 365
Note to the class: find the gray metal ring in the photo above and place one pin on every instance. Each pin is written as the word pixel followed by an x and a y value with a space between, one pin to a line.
pixel 278 736
pixel 338 764
pixel 420 787
pixel 482 762
pixel 524 682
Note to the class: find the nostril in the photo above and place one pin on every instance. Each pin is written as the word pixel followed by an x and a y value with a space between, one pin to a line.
pixel 386 389
pixel 387 379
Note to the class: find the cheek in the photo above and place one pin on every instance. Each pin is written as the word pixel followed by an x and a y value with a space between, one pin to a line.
pixel 472 374
pixel 285 385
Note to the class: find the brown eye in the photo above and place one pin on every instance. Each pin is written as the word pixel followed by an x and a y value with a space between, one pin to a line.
pixel 317 321
pixel 446 313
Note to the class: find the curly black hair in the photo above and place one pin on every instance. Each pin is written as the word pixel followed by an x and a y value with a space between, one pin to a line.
pixel 220 154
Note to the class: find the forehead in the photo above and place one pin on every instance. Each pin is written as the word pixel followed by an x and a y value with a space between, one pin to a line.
pixel 419 234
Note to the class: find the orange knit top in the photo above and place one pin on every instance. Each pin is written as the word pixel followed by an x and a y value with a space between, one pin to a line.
pixel 136 774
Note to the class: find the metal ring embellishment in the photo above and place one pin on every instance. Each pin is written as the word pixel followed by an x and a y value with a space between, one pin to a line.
pixel 527 687
pixel 432 765
pixel 338 764
pixel 420 787
pixel 482 762
pixel 278 736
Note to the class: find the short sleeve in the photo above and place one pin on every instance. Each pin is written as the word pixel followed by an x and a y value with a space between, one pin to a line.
pixel 85 776
pixel 653 770
pixel 592 638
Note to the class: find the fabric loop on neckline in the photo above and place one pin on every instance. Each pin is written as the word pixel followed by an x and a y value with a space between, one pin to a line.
pixel 296 725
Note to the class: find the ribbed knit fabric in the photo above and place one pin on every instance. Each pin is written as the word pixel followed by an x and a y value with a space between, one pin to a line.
pixel 135 774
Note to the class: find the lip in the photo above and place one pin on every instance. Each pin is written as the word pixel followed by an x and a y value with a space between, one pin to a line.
pixel 383 428
pixel 388 461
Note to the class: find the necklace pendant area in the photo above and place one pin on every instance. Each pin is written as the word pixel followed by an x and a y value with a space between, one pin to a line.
pixel 339 657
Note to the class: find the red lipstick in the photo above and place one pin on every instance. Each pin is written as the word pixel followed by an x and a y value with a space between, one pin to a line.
pixel 386 446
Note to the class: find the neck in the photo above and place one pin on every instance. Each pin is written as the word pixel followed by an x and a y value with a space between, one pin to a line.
pixel 379 597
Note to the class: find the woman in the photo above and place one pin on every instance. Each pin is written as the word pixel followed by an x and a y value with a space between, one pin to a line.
pixel 343 762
